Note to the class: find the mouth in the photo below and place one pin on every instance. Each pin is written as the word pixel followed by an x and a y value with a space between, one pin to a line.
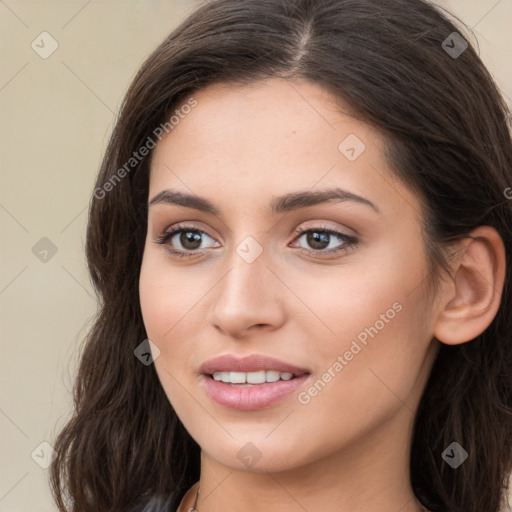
pixel 250 391
pixel 252 382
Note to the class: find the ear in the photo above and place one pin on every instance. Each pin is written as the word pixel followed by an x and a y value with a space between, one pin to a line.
pixel 471 300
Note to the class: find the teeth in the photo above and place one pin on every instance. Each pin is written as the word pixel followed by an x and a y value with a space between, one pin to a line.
pixel 251 377
pixel 255 377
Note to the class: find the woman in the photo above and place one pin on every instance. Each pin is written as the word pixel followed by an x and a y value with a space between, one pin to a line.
pixel 300 235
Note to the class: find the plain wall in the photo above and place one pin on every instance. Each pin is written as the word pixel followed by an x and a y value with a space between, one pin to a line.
pixel 57 113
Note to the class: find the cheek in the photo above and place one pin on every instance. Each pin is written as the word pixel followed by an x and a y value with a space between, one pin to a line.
pixel 166 297
pixel 369 374
pixel 164 311
pixel 152 298
pixel 362 304
pixel 173 310
pixel 380 333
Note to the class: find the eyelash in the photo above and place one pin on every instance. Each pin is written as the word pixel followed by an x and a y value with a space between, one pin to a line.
pixel 350 241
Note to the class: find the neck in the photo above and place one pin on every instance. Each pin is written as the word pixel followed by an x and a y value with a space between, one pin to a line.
pixel 370 474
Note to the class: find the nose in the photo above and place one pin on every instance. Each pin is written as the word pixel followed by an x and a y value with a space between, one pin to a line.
pixel 249 297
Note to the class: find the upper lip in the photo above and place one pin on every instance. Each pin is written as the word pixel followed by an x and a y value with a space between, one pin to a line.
pixel 252 363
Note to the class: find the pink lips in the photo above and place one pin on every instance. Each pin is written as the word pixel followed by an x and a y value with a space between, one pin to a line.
pixel 253 363
pixel 250 397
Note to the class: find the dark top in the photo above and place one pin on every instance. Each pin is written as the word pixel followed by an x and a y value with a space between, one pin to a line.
pixel 156 503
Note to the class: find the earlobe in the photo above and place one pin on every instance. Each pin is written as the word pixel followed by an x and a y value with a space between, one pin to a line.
pixel 472 299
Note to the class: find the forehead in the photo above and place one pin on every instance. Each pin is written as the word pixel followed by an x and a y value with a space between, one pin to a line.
pixel 252 141
pixel 255 113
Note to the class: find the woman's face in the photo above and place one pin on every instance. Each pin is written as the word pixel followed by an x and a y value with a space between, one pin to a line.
pixel 348 312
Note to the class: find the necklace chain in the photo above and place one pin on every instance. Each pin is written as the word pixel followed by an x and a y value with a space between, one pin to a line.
pixel 193 508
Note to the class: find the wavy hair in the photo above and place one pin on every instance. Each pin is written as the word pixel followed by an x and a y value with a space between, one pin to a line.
pixel 448 139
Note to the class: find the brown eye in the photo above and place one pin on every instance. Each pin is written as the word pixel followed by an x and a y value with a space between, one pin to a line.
pixel 189 240
pixel 317 239
pixel 183 241
pixel 323 241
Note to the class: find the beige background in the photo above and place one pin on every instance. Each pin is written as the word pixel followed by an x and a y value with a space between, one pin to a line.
pixel 56 116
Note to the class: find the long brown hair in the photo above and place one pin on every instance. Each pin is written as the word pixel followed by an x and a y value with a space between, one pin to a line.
pixel 448 139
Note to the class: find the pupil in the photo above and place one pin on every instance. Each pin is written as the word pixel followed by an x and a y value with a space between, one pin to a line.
pixel 190 237
pixel 318 240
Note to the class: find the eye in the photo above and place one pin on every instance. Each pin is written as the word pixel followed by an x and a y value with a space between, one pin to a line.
pixel 188 237
pixel 186 241
pixel 322 240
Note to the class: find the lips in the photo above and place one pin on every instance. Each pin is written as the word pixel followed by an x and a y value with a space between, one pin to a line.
pixel 253 363
pixel 251 397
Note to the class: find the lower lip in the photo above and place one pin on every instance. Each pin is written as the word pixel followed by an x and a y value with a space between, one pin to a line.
pixel 250 398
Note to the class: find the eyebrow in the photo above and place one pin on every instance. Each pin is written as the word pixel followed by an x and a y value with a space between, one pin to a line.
pixel 281 204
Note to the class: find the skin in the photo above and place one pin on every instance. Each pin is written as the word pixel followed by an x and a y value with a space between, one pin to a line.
pixel 348 448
